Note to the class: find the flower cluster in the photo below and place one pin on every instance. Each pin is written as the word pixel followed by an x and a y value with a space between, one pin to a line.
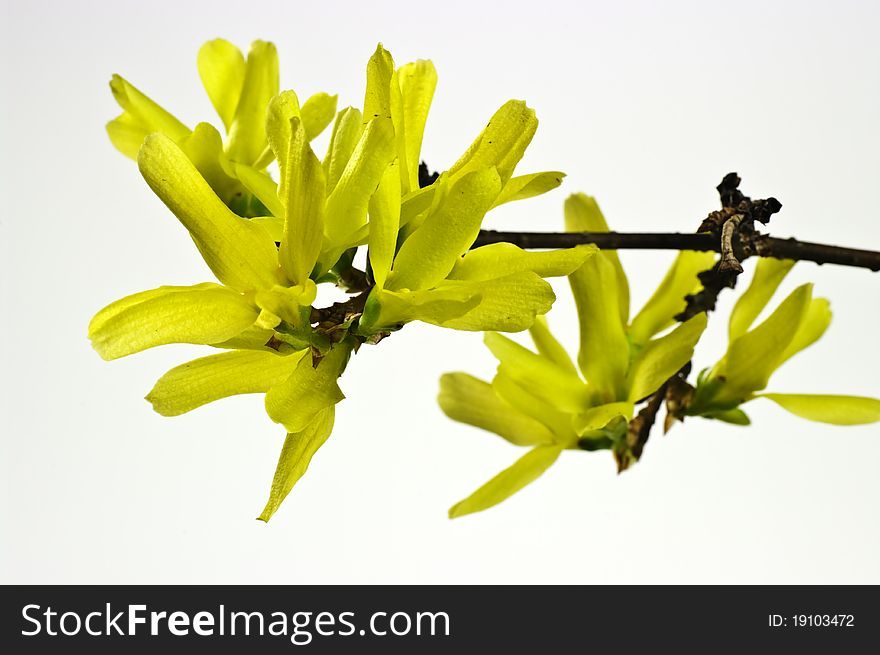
pixel 543 401
pixel 754 354
pixel 270 243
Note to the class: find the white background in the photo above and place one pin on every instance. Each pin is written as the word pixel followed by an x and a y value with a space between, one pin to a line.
pixel 645 105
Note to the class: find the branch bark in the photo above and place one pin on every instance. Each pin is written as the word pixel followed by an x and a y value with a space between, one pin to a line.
pixel 760 245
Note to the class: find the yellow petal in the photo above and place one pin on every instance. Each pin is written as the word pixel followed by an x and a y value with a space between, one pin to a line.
pixel 204 148
pixel 346 134
pixel 317 113
pixel 752 358
pixel 347 205
pixel 534 403
pixel 417 81
pixel 582 214
pixel 668 300
pixel 413 205
pixel 812 327
pixel 281 109
pixel 211 378
pixel 126 134
pixel 222 69
pixel 604 348
pixel 529 186
pixel 247 134
pixel 377 101
pixel 302 193
pixel 466 399
pixel 296 455
pixel 288 303
pixel 201 314
pixel 499 259
pixel 384 223
pixel 433 249
pixel 146 112
pixel 555 385
pixel 502 143
pixel 253 338
pixel 239 252
pixel 391 309
pixel 769 273
pixel 837 410
pixel 526 470
pixel 298 400
pixel 548 346
pixel 597 418
pixel 664 357
pixel 262 186
pixel 141 116
pixel 507 304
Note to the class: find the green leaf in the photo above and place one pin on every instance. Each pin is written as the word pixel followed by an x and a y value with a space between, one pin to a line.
pixel 769 273
pixel 346 209
pixel 604 347
pixel 662 358
pixel 296 455
pixel 211 378
pixel 499 259
pixel 752 358
pixel 297 401
pixel 317 113
pixel 302 193
pixel 201 314
pixel 346 134
pixel 548 346
pixel 466 399
pixel 141 116
pixel 668 300
pixel 501 144
pixel 222 69
pixel 812 327
pixel 837 410
pixel 555 385
pixel 734 416
pixel 526 470
pixel 247 134
pixel 432 250
pixel 582 214
pixel 240 253
pixel 529 186
pixel 417 81
pixel 384 223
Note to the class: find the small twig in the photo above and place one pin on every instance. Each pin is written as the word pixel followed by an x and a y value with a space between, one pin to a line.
pixel 639 429
pixel 729 262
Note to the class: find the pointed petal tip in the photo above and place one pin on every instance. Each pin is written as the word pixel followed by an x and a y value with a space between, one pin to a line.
pixel 455 512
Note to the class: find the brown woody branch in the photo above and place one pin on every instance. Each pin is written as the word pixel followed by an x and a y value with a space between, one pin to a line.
pixel 760 245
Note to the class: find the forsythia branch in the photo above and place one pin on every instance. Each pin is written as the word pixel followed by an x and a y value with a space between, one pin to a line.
pixel 760 245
